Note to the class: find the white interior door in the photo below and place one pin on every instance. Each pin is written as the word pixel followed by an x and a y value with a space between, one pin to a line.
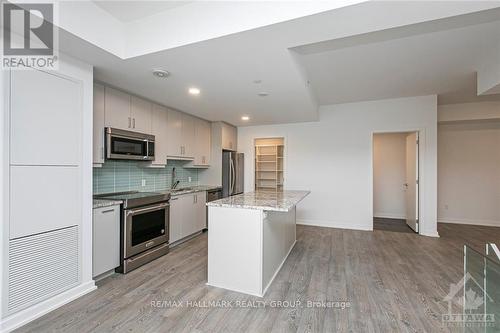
pixel 411 185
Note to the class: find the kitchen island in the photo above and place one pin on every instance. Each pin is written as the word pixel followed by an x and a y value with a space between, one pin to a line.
pixel 250 236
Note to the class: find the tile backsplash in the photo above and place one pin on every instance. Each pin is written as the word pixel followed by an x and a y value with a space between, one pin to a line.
pixel 118 176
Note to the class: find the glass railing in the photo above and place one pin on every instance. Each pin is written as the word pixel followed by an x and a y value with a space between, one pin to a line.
pixel 493 252
pixel 481 292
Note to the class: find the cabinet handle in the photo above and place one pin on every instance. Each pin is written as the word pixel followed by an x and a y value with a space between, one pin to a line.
pixel 102 152
pixel 133 122
pixel 107 211
pixel 172 199
pixel 129 122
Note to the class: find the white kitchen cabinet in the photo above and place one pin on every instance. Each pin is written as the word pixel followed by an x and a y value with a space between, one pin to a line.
pixel 187 215
pixel 159 128
pixel 202 143
pixel 201 210
pixel 188 135
pixel 174 134
pixel 176 215
pixel 140 114
pixel 229 137
pixel 117 109
pixel 190 215
pixel 106 239
pixel 98 125
pixel 181 135
pixel 126 112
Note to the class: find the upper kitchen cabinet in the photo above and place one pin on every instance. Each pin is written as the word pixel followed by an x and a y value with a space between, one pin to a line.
pixel 98 125
pixel 188 134
pixel 159 128
pixel 140 113
pixel 180 135
pixel 202 143
pixel 229 137
pixel 127 112
pixel 117 109
pixel 174 133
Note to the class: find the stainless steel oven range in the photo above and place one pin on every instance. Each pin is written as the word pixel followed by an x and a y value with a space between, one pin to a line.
pixel 144 227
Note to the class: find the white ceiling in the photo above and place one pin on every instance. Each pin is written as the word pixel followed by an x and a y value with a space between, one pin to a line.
pixel 442 63
pixel 127 11
pixel 361 52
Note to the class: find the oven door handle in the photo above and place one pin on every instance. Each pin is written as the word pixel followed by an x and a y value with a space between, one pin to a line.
pixel 147 209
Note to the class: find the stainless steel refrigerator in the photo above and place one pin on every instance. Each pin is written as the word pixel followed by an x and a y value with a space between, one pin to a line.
pixel 232 173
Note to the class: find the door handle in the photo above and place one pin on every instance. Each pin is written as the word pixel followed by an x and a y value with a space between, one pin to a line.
pixel 233 180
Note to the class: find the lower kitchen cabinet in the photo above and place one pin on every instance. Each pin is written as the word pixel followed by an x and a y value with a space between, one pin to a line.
pixel 187 215
pixel 106 239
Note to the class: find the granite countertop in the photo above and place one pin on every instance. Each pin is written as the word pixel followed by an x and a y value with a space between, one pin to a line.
pixel 191 189
pixel 262 200
pixel 99 203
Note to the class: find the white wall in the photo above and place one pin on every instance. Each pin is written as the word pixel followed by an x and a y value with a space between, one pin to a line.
pixel 389 175
pixel 333 159
pixel 469 173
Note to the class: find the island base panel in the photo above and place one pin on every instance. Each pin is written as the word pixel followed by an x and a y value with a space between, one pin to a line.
pixel 247 247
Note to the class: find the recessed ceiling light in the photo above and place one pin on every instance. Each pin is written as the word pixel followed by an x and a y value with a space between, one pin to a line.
pixel 194 91
pixel 245 118
pixel 263 94
pixel 161 73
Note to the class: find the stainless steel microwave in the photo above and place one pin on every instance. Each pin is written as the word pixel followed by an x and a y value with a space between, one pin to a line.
pixel 128 145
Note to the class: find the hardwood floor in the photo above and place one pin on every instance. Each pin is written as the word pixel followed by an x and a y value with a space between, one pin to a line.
pixel 396 225
pixel 394 282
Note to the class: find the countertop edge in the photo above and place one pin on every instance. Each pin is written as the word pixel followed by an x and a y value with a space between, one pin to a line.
pixel 100 203
pixel 257 207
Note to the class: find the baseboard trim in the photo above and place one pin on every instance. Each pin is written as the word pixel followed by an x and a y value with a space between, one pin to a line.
pixel 389 216
pixel 335 224
pixel 25 316
pixel 430 234
pixel 487 223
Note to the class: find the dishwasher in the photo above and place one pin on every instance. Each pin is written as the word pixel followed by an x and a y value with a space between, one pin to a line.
pixel 213 195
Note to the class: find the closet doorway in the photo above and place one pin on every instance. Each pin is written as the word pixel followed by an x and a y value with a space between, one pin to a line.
pixel 396 181
pixel 269 164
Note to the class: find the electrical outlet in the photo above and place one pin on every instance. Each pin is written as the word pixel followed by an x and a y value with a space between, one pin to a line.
pixel 189 179
pixel 446 207
pixel 143 183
